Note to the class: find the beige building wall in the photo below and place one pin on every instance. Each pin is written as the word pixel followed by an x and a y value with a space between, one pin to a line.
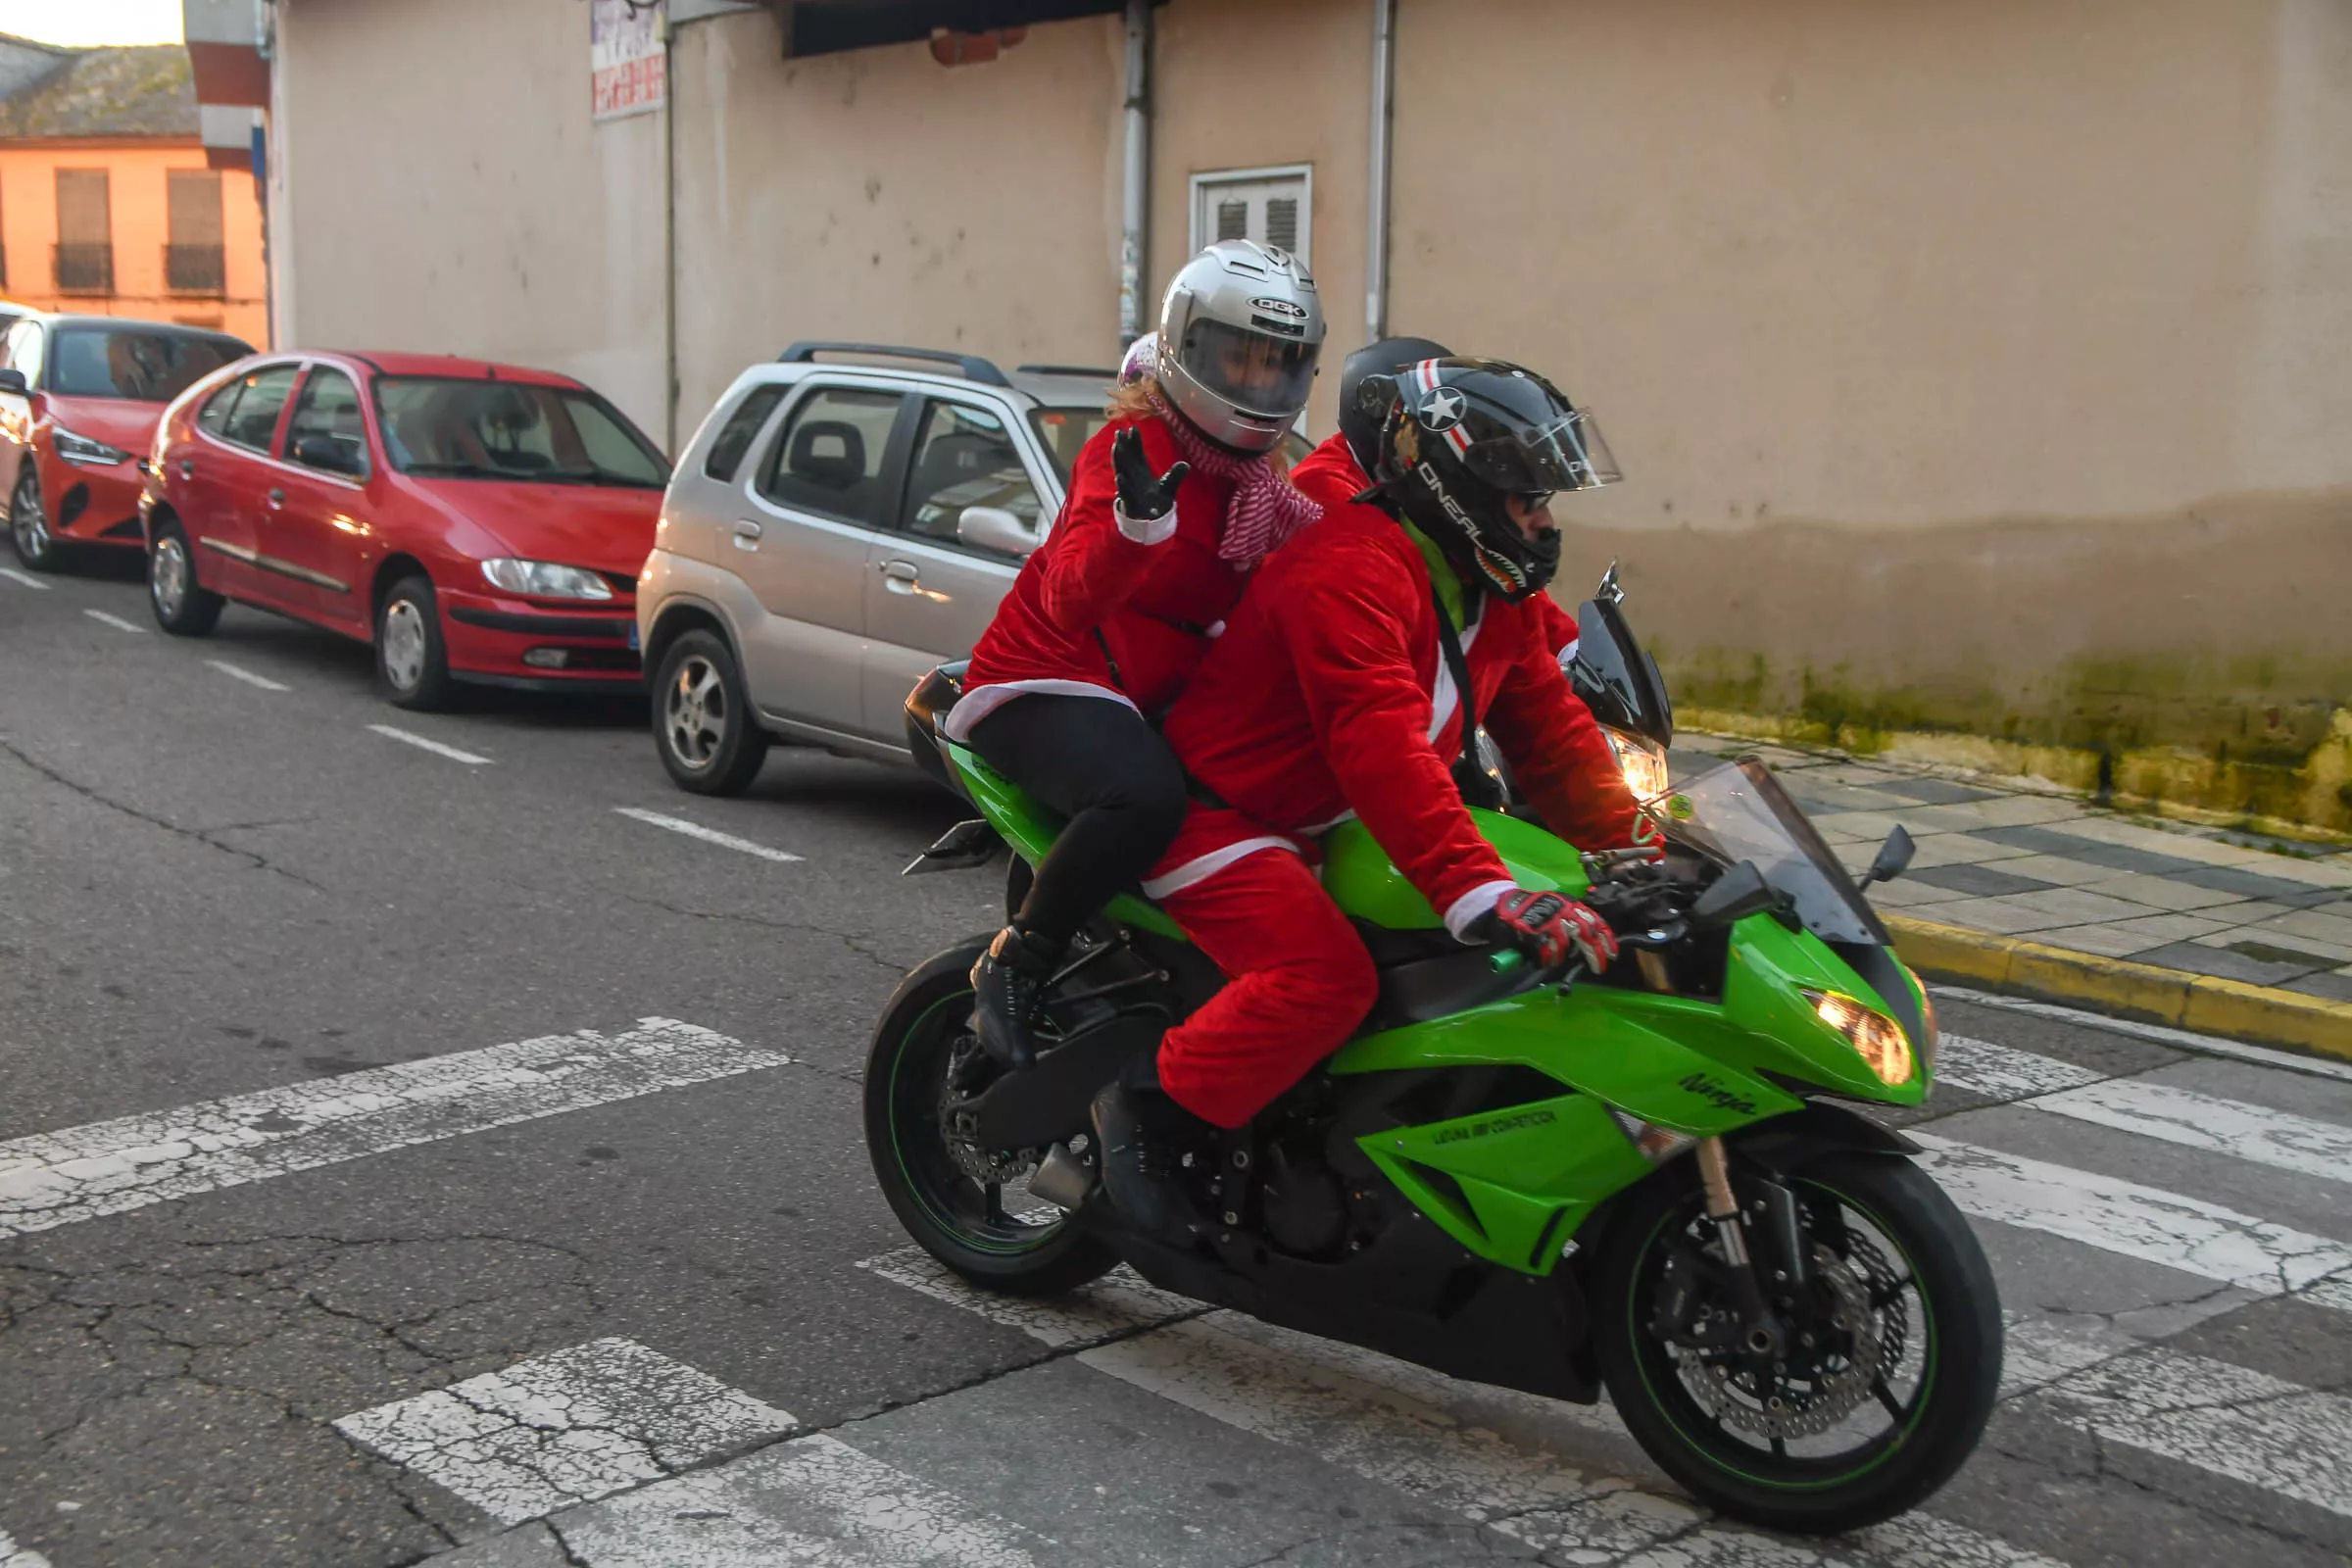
pixel 443 189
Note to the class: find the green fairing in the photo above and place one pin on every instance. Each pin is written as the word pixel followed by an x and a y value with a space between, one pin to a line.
pixel 1514 1185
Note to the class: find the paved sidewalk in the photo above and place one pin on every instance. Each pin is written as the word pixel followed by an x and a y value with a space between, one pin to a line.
pixel 2058 871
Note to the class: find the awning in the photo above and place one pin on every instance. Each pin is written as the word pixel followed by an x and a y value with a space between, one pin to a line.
pixel 829 27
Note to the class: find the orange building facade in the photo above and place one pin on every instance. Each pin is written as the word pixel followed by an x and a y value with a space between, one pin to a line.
pixel 109 205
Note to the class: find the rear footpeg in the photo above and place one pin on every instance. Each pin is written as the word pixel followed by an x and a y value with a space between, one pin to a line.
pixel 960 849
pixel 1063 1179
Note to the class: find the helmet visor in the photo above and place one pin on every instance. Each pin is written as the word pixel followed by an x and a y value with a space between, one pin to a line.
pixel 1567 453
pixel 1254 371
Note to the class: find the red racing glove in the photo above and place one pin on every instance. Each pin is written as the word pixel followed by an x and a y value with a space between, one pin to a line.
pixel 1547 926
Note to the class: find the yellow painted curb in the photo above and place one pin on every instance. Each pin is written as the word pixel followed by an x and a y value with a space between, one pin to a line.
pixel 2206 1004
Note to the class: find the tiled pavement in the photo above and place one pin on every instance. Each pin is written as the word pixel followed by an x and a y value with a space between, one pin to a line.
pixel 2067 874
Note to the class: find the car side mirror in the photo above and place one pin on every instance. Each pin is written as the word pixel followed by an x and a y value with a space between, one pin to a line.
pixel 328 453
pixel 13 382
pixel 1893 857
pixel 995 528
pixel 1735 896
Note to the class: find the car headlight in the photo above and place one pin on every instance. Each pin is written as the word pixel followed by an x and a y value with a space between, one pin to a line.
pixel 1643 762
pixel 81 448
pixel 1876 1038
pixel 543 579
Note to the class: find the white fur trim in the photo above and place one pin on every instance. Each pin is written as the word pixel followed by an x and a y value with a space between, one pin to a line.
pixel 1145 530
pixel 1479 900
pixel 982 700
pixel 1201 868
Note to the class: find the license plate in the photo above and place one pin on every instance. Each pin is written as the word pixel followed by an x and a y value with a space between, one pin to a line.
pixel 632 635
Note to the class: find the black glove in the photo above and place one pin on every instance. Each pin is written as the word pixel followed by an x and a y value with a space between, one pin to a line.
pixel 1142 496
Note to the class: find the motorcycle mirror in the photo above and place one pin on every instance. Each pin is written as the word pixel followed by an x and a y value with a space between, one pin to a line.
pixel 1893 857
pixel 1736 894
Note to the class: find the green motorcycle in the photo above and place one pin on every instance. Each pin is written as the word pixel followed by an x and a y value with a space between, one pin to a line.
pixel 1649 1180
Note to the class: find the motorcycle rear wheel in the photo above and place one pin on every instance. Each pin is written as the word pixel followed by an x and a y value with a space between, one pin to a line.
pixel 1933 1407
pixel 966 1225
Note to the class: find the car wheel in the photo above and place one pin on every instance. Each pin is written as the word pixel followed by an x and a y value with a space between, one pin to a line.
pixel 29 525
pixel 412 663
pixel 182 605
pixel 703 722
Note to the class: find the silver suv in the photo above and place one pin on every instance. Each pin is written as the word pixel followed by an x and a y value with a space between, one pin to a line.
pixel 832 532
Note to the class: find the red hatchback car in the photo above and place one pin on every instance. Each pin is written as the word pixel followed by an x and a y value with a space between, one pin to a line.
pixel 476 522
pixel 80 398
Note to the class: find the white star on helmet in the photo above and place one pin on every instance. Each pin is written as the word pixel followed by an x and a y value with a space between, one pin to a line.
pixel 1442 410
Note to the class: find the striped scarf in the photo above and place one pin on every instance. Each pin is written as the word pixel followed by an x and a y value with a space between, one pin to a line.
pixel 1266 509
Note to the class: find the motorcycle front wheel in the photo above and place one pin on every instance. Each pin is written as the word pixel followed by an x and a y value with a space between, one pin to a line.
pixel 1887 1375
pixel 987 1230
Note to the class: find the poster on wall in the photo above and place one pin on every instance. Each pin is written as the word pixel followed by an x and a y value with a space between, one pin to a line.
pixel 626 63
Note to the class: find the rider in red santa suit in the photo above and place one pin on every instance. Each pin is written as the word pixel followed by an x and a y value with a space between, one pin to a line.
pixel 1331 695
pixel 1172 503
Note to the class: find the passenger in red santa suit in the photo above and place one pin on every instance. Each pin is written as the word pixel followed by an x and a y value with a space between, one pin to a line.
pixel 1332 694
pixel 1171 507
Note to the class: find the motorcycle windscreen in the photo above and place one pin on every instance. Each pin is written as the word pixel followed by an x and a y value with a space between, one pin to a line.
pixel 1739 811
pixel 1616 677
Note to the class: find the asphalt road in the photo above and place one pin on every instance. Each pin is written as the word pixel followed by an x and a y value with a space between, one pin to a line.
pixel 396 1149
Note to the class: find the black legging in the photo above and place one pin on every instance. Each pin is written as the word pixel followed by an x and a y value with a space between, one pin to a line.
pixel 1099 764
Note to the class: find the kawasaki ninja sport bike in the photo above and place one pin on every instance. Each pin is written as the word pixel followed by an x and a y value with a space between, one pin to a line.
pixel 1651 1180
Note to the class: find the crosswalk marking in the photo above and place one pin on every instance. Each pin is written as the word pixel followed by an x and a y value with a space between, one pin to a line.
pixel 816 1502
pixel 1491 1454
pixel 564 1427
pixel 12 1555
pixel 2257 1134
pixel 2159 1034
pixel 2120 1216
pixel 111 1167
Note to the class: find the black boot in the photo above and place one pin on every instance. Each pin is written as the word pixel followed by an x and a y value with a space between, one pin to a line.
pixel 1007 983
pixel 1143 1135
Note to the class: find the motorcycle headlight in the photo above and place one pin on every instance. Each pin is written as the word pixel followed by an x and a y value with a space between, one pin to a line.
pixel 1641 761
pixel 81 448
pixel 543 579
pixel 1876 1038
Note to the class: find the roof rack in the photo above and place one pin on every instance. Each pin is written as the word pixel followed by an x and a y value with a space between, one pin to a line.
pixel 1069 369
pixel 973 365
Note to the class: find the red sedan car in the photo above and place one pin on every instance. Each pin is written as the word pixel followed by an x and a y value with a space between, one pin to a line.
pixel 476 522
pixel 80 398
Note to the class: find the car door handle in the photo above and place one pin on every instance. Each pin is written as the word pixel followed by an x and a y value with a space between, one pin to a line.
pixel 277 497
pixel 746 536
pixel 902 577
pixel 187 469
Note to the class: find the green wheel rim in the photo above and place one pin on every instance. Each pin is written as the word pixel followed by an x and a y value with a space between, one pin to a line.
pixel 921 1156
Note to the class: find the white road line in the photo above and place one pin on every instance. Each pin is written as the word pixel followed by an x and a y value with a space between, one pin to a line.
pixel 434 747
pixel 2120 1216
pixel 12 1555
pixel 1487 1454
pixel 816 1502
pixel 2161 1034
pixel 1114 1305
pixel 695 830
pixel 234 672
pixel 2004 1073
pixel 2235 1127
pixel 29 581
pixel 111 1167
pixel 565 1428
pixel 2223 1418
pixel 116 621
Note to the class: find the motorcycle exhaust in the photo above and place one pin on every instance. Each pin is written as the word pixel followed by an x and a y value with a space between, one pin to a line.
pixel 1063 1179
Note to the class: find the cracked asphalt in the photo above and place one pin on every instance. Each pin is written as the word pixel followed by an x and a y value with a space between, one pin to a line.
pixel 210 890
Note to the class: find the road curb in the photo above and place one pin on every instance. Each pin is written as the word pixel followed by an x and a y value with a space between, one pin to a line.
pixel 2206 1004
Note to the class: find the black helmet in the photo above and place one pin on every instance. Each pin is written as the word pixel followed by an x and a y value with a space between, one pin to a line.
pixel 1461 436
pixel 1368 390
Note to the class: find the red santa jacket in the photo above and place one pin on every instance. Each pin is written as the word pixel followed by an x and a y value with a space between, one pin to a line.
pixel 1327 694
pixel 1152 604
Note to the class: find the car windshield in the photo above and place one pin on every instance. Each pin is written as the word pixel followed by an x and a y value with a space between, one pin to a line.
pixel 144 365
pixel 1739 811
pixel 1064 431
pixel 451 427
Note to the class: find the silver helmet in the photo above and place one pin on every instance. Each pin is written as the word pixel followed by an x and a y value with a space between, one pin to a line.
pixel 1238 332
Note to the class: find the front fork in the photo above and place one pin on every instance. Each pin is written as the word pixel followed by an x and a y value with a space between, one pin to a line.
pixel 1774 1207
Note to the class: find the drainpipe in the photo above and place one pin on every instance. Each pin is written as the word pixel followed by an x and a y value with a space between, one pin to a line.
pixel 670 234
pixel 1376 194
pixel 1139 173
